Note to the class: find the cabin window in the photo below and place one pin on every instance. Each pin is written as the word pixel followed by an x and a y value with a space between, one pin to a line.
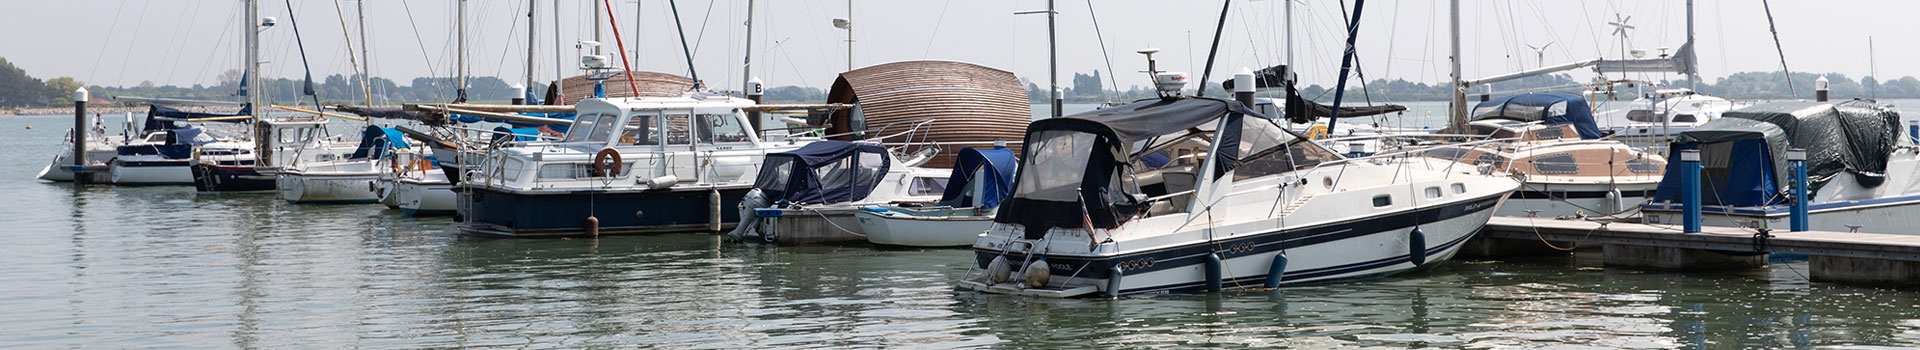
pixel 589 128
pixel 1642 166
pixel 927 186
pixel 1685 118
pixel 1459 188
pixel 1058 165
pixel 677 129
pixel 1382 201
pixel 1292 156
pixel 1549 134
pixel 577 170
pixel 1433 192
pixel 641 130
pixel 1556 164
pixel 774 175
pixel 1642 115
pixel 1490 159
pixel 721 128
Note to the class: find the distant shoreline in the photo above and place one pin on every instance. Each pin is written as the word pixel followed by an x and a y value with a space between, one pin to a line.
pixel 69 110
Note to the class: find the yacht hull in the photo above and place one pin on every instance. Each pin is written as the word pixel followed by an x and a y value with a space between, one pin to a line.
pixel 328 188
pixel 425 198
pixel 555 213
pixel 155 172
pixel 1347 250
pixel 213 178
pixel 1568 199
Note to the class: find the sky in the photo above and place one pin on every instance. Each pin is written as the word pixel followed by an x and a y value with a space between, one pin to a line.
pixel 127 42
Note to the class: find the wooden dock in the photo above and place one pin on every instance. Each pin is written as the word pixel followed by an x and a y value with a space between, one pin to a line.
pixel 1861 258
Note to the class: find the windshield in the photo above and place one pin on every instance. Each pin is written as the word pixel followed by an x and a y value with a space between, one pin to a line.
pixel 590 127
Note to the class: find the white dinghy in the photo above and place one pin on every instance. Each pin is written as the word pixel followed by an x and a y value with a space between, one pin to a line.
pixel 978 184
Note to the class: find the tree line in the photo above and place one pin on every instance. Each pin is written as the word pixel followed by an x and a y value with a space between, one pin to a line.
pixel 1088 88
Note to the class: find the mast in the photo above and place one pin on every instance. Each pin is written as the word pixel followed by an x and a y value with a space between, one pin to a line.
pixel 559 61
pixel 531 7
pixel 1289 33
pixel 746 69
pixel 850 33
pixel 1872 71
pixel 1346 64
pixel 596 28
pixel 251 80
pixel 366 62
pixel 1457 112
pixel 460 68
pixel 1693 78
pixel 637 7
pixel 352 61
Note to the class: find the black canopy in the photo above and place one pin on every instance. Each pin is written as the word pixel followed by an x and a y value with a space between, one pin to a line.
pixel 1300 110
pixel 823 172
pixel 1850 136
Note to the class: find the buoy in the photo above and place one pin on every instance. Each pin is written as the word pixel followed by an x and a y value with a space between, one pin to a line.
pixel 1277 269
pixel 29 127
pixel 1213 272
pixel 1038 273
pixel 593 226
pixel 1417 246
pixel 1113 281
pixel 998 271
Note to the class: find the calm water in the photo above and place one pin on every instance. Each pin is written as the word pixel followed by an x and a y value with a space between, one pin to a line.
pixel 165 267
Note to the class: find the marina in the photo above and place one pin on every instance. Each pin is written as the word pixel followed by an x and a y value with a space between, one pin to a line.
pixel 654 190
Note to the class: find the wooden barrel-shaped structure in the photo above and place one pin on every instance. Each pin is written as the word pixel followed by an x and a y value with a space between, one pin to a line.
pixel 971 105
pixel 652 84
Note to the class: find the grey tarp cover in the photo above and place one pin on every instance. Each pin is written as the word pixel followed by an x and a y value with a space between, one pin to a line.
pixel 1850 136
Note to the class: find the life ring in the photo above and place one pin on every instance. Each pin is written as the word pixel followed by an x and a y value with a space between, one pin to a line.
pixel 601 164
pixel 1317 132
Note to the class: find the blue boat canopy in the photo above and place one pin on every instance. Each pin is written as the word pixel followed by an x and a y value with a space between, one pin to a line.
pixel 995 164
pixel 1743 154
pixel 1551 108
pixel 823 172
pixel 376 141
pixel 161 118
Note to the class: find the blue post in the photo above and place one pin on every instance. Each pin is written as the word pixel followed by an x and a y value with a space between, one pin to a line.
pixel 1913 131
pixel 1690 190
pixel 1800 201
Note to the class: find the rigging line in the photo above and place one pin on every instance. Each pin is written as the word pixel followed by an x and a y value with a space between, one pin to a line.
pixel 109 40
pixel 683 44
pixel 1215 49
pixel 354 62
pixel 701 36
pixel 422 43
pixel 1776 48
pixel 171 44
pixel 943 19
pixel 622 45
pixel 308 87
pixel 507 45
pixel 142 22
pixel 208 63
pixel 1364 93
pixel 1104 54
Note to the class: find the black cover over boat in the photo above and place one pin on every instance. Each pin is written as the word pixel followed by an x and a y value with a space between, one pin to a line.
pixel 1551 108
pixel 823 172
pixel 163 117
pixel 1750 144
pixel 1301 111
pixel 1084 153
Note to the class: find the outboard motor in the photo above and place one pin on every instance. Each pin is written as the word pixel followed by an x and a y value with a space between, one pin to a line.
pixel 749 204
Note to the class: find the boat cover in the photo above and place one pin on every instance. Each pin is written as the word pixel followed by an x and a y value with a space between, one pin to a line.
pixel 1551 108
pixel 998 165
pixel 375 141
pixel 823 172
pixel 1744 152
pixel 1084 153
pixel 161 118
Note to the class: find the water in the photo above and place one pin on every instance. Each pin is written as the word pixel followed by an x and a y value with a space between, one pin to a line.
pixel 114 267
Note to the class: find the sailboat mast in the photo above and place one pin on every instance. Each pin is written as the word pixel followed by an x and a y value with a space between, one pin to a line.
pixel 366 62
pixel 1288 22
pixel 1053 62
pixel 596 26
pixel 1693 78
pixel 850 33
pixel 532 6
pixel 1457 112
pixel 559 61
pixel 251 80
pixel 352 61
pixel 460 84
pixel 746 69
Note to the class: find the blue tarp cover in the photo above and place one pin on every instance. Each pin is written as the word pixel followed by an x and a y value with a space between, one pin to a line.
pixel 824 172
pixel 163 117
pixel 375 141
pixel 520 134
pixel 1551 108
pixel 1745 150
pixel 998 164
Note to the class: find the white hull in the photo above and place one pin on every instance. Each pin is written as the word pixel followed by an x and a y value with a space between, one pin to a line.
pixel 1559 199
pixel 922 231
pixel 423 198
pixel 328 188
pixel 152 175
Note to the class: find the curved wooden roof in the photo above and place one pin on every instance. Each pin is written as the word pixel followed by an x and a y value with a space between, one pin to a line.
pixel 652 84
pixel 969 102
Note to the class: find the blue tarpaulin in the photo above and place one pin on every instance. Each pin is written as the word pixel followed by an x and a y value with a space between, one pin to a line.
pixel 519 134
pixel 1551 108
pixel 162 117
pixel 1744 152
pixel 375 141
pixel 556 128
pixel 824 172
pixel 996 164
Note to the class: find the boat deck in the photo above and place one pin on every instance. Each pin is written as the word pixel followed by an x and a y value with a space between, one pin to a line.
pixel 1730 239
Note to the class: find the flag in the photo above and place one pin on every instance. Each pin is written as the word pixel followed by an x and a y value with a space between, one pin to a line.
pixel 1086 222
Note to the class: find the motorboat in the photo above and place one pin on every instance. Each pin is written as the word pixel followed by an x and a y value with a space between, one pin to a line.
pixel 238 166
pixel 1100 208
pixel 976 186
pixel 163 154
pixel 1860 177
pixel 342 180
pixel 99 149
pixel 1550 141
pixel 624 165
pixel 810 194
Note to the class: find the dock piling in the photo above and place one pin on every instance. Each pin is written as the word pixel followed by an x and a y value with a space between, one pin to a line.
pixel 1798 157
pixel 1690 190
pixel 80 136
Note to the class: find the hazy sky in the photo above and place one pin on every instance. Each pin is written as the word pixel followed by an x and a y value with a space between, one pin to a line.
pixel 125 42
